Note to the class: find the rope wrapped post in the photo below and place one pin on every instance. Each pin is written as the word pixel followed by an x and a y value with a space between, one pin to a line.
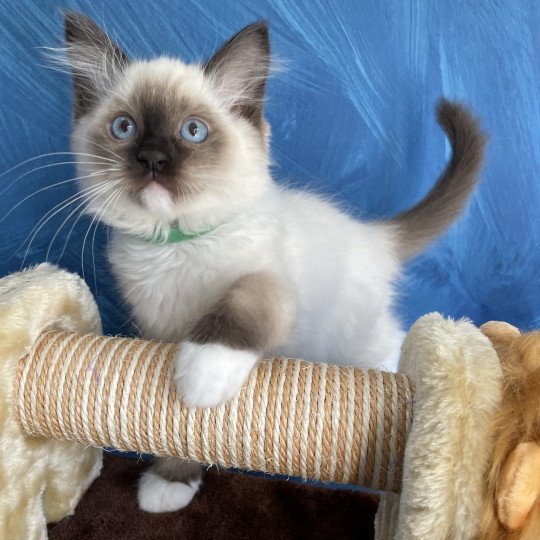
pixel 294 418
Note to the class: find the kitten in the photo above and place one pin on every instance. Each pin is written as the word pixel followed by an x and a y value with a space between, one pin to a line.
pixel 209 251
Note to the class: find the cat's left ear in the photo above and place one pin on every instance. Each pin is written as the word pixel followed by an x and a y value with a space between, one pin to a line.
pixel 94 59
pixel 239 71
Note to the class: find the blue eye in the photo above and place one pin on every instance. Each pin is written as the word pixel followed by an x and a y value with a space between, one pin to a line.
pixel 194 130
pixel 123 127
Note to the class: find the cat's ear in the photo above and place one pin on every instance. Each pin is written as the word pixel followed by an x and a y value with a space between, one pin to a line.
pixel 239 71
pixel 94 59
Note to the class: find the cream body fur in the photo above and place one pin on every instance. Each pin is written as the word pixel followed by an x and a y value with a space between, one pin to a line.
pixel 164 145
pixel 338 306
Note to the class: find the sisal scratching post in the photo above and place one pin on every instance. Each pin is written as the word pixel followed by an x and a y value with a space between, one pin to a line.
pixel 292 417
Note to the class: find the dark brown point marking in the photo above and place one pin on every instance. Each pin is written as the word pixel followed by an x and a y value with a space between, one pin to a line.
pixel 249 316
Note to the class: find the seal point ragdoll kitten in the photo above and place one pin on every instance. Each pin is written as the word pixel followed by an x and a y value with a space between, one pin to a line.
pixel 209 252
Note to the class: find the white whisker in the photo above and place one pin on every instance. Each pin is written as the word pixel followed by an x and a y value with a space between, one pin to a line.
pixel 94 193
pixel 48 166
pixel 111 203
pixel 52 154
pixel 103 205
pixel 87 203
pixel 94 174
pixel 49 215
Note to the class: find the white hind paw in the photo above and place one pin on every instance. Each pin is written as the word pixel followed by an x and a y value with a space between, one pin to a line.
pixel 155 494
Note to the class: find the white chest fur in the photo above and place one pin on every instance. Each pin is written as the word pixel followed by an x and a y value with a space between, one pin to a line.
pixel 169 286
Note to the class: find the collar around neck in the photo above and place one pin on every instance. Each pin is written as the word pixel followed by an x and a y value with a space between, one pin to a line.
pixel 176 235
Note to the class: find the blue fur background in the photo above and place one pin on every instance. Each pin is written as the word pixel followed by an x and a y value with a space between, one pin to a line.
pixel 352 118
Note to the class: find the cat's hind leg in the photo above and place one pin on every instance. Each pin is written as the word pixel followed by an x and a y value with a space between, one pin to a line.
pixel 169 485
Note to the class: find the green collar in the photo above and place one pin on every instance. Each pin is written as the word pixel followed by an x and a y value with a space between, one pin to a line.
pixel 176 235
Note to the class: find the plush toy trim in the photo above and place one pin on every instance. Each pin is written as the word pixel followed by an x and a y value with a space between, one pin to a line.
pixel 516 435
pixel 458 391
pixel 41 480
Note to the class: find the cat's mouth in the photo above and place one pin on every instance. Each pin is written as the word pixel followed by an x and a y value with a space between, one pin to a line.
pixel 150 179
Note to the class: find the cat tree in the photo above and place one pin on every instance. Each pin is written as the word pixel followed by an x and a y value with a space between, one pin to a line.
pixel 63 383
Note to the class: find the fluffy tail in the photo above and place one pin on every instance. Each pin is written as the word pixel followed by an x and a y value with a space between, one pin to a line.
pixel 428 219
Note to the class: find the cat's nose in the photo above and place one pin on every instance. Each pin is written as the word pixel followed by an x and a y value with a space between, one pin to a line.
pixel 153 160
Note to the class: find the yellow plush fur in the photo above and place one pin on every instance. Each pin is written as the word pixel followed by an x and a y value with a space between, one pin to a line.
pixel 458 380
pixel 512 505
pixel 41 480
pixel 458 388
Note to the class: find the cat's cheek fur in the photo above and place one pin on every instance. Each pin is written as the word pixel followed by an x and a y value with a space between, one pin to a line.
pixel 156 494
pixel 209 374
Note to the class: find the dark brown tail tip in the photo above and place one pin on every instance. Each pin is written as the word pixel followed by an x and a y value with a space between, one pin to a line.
pixel 429 218
pixel 462 129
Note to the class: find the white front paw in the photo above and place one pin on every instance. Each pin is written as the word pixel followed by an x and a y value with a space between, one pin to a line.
pixel 207 375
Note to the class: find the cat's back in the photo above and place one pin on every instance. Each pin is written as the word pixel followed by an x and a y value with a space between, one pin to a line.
pixel 344 271
pixel 326 235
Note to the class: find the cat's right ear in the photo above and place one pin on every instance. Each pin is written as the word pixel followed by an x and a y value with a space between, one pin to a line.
pixel 94 59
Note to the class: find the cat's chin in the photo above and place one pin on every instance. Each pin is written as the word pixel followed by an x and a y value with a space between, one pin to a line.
pixel 157 199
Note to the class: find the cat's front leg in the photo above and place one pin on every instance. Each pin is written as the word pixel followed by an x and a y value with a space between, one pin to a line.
pixel 253 316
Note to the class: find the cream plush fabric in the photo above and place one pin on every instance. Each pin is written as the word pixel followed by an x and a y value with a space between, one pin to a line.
pixel 458 391
pixel 41 480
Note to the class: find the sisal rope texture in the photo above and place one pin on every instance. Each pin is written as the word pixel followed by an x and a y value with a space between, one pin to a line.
pixel 292 417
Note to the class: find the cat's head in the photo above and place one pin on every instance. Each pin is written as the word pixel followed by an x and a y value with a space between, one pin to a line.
pixel 164 142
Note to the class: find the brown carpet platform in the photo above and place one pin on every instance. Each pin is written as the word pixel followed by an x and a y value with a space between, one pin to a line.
pixel 228 505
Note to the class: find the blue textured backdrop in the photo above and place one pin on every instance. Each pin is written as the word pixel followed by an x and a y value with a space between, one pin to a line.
pixel 352 117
